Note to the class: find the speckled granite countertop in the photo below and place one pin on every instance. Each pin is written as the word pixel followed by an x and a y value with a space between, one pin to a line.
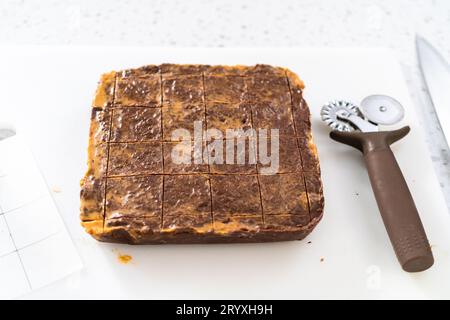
pixel 212 23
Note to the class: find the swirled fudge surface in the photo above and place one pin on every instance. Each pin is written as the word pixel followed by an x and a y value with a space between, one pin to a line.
pixel 135 192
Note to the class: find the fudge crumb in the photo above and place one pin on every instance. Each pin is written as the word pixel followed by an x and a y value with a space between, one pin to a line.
pixel 322 259
pixel 124 258
pixel 309 242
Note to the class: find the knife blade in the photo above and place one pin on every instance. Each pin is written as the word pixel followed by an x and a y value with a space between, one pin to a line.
pixel 436 73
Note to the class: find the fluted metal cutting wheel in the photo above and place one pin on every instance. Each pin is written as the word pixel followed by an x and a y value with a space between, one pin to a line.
pixel 329 114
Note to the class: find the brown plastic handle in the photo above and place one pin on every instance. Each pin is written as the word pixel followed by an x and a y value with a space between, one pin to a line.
pixel 394 199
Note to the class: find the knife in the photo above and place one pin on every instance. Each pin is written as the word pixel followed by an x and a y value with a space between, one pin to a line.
pixel 436 73
pixel 6 129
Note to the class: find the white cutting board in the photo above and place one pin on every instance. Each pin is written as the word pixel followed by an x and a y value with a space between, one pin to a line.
pixel 50 91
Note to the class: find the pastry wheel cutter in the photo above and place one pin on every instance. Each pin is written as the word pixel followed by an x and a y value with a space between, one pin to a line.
pixel 357 126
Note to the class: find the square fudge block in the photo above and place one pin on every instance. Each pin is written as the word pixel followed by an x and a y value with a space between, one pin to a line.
pixel 315 193
pixel 185 90
pixel 223 117
pixel 97 160
pixel 201 222
pixel 308 150
pixel 92 197
pixel 289 158
pixel 284 194
pixel 144 224
pixel 233 156
pixel 300 111
pixel 235 195
pixel 134 197
pixel 269 90
pixel 173 70
pixel 139 92
pixel 265 71
pixel 250 223
pixel 136 124
pixel 289 221
pixel 181 116
pixel 104 96
pixel 186 195
pixel 100 125
pixel 219 70
pixel 225 89
pixel 269 116
pixel 184 157
pixel 147 71
pixel 135 158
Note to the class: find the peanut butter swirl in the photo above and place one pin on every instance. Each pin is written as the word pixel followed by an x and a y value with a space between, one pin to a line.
pixel 133 192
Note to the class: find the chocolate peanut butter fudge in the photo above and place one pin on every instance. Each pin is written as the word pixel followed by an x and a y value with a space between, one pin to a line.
pixel 152 178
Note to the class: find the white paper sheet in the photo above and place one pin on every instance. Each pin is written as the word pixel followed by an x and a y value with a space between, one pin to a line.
pixel 35 247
